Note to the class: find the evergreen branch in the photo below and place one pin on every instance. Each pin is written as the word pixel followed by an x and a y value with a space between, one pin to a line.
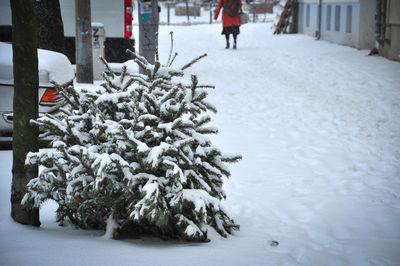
pixel 195 110
pixel 143 65
pixel 182 143
pixel 108 71
pixel 56 85
pixel 127 84
pixel 85 162
pixel 74 138
pixel 200 106
pixel 202 120
pixel 148 119
pixel 231 158
pixel 194 84
pixel 170 94
pixel 75 96
pixel 176 73
pixel 68 100
pixel 193 62
pixel 221 167
pixel 177 123
pixel 141 61
pixel 151 102
pixel 157 66
pixel 139 78
pixel 210 169
pixel 212 151
pixel 123 133
pixel 99 134
pixel 50 123
pixel 187 125
pixel 199 97
pixel 173 59
pixel 210 107
pixel 95 108
pixel 205 87
pixel 105 85
pixel 182 108
pixel 110 85
pixel 185 158
pixel 171 48
pixel 207 130
pixel 157 55
pixel 123 74
pixel 43 136
pixel 156 83
pixel 133 54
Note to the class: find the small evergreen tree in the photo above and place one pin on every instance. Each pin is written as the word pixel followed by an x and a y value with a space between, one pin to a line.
pixel 133 157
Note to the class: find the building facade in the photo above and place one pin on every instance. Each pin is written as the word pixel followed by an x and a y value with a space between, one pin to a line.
pixel 388 28
pixel 354 23
pixel 347 22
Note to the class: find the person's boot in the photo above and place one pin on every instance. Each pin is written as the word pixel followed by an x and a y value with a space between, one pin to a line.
pixel 234 44
pixel 227 41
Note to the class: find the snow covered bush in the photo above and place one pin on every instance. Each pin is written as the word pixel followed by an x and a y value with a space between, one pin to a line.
pixel 132 157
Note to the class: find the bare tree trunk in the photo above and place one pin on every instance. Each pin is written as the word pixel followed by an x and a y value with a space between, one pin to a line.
pixel 50 25
pixel 25 136
pixel 83 42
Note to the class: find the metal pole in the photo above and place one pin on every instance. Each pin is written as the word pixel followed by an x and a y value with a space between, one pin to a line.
pixel 187 11
pixel 168 6
pixel 148 27
pixel 254 13
pixel 83 42
pixel 319 19
pixel 211 12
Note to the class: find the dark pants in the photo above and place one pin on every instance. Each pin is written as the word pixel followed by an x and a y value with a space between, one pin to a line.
pixel 234 30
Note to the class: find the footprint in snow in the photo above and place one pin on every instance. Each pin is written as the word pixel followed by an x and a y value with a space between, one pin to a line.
pixel 274 243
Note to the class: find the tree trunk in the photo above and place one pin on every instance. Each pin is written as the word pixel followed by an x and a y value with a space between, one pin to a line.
pixel 50 25
pixel 26 83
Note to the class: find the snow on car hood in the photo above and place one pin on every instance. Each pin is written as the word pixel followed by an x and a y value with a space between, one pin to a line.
pixel 53 66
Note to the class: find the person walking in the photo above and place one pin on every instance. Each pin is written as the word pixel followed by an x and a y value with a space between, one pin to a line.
pixel 230 19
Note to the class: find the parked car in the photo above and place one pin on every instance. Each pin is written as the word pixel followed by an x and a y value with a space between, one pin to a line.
pixel 53 67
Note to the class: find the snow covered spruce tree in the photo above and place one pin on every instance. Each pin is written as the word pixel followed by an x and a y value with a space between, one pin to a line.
pixel 133 157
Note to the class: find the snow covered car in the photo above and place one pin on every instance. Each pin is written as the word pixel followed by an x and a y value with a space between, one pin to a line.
pixel 53 67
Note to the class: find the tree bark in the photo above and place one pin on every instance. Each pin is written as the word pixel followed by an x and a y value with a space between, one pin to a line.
pixel 50 25
pixel 26 83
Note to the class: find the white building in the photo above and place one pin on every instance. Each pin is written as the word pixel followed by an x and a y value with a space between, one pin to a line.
pixel 363 24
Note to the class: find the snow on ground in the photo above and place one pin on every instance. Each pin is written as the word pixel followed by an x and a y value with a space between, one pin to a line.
pixel 318 127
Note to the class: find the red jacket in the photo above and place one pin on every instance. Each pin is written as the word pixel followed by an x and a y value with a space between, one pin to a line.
pixel 227 21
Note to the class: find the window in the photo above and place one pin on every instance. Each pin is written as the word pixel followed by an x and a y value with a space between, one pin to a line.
pixel 328 17
pixel 349 18
pixel 308 16
pixel 337 18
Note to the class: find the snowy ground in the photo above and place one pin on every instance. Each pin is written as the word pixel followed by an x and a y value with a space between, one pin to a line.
pixel 318 126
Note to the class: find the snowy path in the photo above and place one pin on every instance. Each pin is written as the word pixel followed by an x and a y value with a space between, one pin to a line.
pixel 318 126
